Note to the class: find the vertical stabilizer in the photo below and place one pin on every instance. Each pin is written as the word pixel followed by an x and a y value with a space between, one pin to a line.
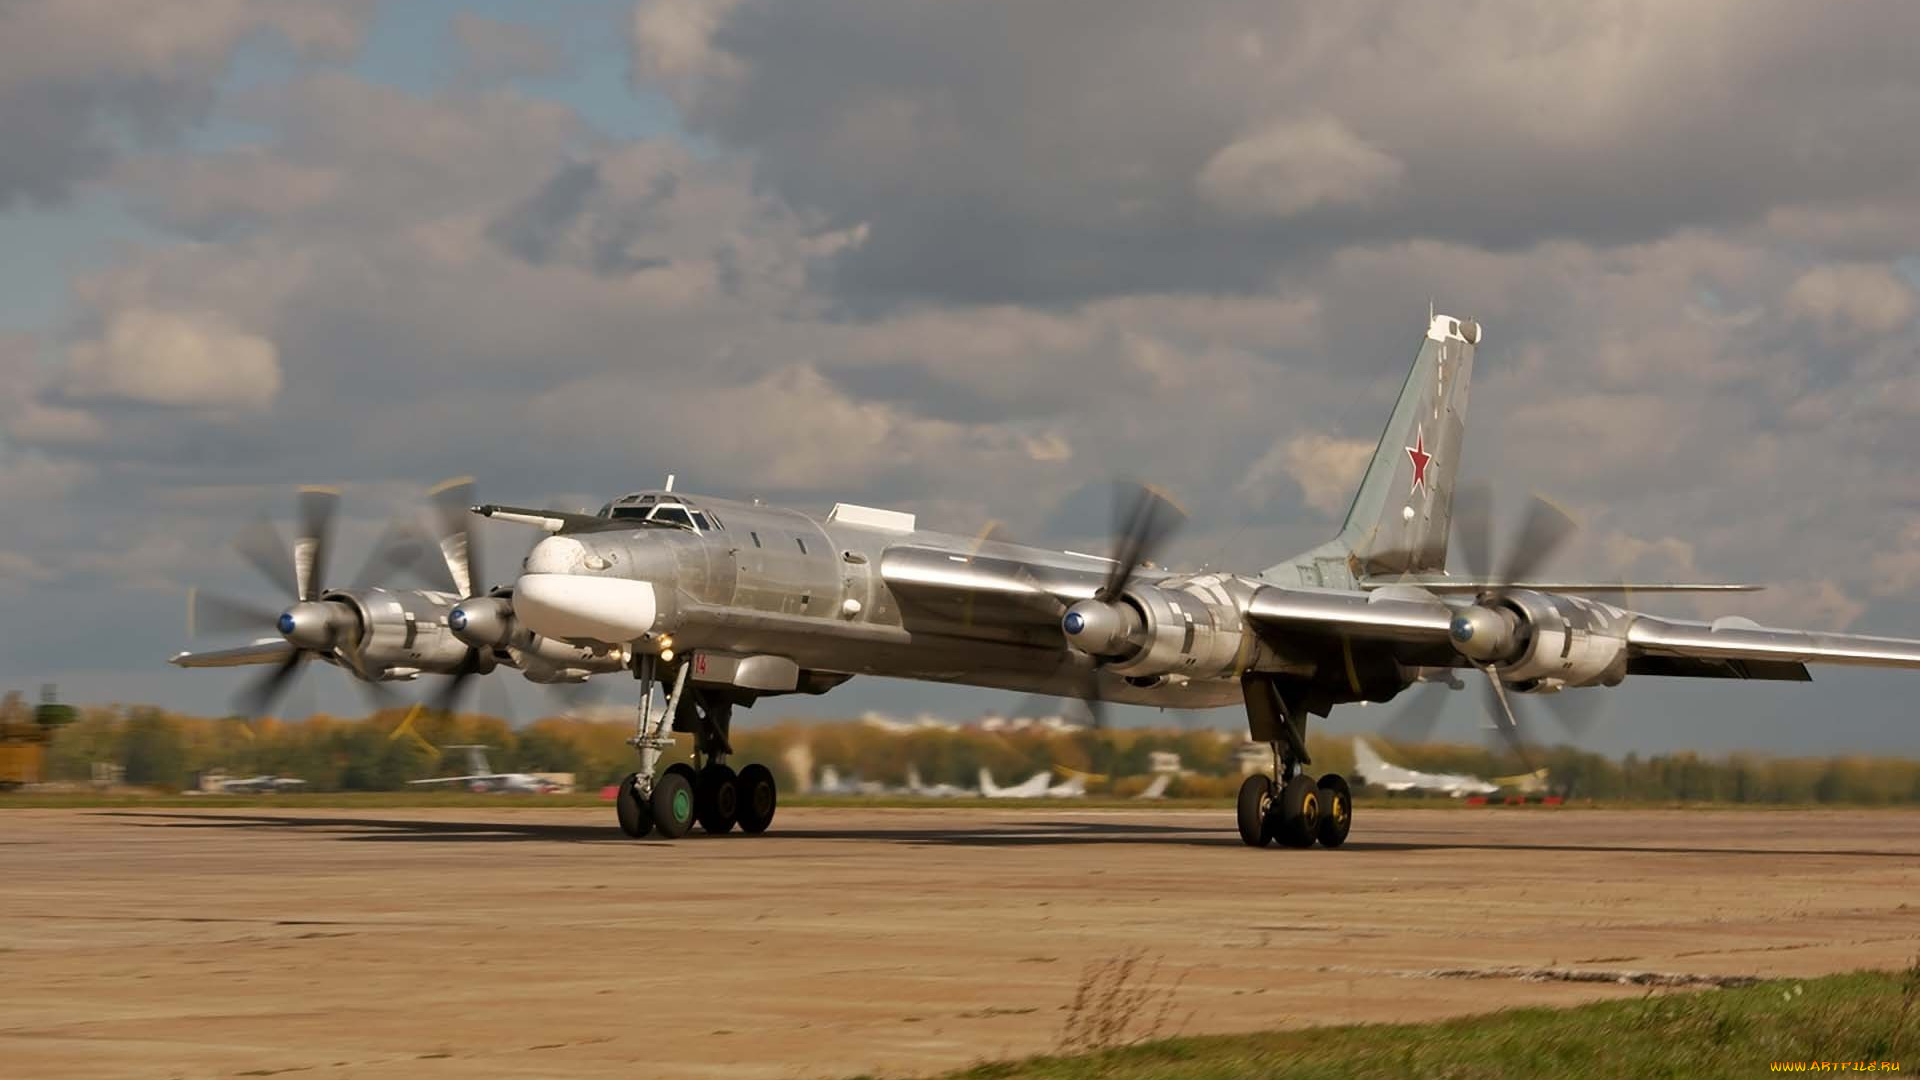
pixel 1399 518
pixel 1366 761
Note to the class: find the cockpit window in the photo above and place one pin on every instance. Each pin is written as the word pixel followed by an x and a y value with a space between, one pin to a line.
pixel 629 506
pixel 675 515
pixel 700 520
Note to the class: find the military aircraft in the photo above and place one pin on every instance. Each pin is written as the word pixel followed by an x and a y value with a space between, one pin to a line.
pixel 480 776
pixel 260 785
pixel 1038 786
pixel 720 602
pixel 1370 768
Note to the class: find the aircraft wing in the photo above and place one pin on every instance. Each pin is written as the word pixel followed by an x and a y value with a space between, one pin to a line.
pixel 1415 631
pixel 265 651
pixel 984 589
pixel 1729 640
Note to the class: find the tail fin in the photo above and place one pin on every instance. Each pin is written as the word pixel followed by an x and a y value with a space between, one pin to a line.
pixel 1399 519
pixel 987 787
pixel 1366 760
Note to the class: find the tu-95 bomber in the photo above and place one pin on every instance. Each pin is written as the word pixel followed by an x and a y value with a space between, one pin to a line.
pixel 716 603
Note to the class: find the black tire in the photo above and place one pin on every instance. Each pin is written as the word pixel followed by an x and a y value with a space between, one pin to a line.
pixel 1296 822
pixel 1336 810
pixel 1256 793
pixel 716 799
pixel 672 804
pixel 759 797
pixel 636 817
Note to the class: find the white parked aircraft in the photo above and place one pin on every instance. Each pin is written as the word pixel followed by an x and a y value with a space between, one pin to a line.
pixel 1038 786
pixel 1369 766
pixel 916 786
pixel 482 778
pixel 259 785
pixel 1157 789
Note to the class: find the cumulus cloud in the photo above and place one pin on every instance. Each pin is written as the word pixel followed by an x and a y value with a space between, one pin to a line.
pixel 175 360
pixel 1296 166
pixel 1326 468
pixel 1004 137
pixel 77 74
pixel 1852 301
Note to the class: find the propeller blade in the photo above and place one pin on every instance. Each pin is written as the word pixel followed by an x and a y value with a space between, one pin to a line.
pixel 380 697
pixel 402 546
pixel 496 701
pixel 1144 520
pixel 318 508
pixel 447 699
pixel 1473 526
pixel 1546 531
pixel 1416 722
pixel 219 614
pixel 258 697
pixel 259 543
pixel 1505 721
pixel 451 500
pixel 1576 710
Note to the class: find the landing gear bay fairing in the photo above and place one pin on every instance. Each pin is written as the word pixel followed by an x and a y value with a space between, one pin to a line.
pixel 717 603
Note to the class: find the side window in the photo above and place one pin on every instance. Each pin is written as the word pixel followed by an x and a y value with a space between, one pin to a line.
pixel 802 544
pixel 700 520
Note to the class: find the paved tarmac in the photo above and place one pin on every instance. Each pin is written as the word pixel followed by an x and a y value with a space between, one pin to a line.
pixel 531 942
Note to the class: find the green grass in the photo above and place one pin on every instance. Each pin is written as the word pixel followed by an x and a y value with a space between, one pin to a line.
pixel 1867 1016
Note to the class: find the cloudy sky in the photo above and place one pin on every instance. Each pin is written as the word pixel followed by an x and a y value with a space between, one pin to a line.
pixel 969 259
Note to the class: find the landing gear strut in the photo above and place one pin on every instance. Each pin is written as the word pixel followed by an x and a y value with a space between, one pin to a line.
pixel 1287 805
pixel 708 792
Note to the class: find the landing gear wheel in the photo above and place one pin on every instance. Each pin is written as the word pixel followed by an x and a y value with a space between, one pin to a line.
pixel 716 799
pixel 1296 820
pixel 672 803
pixel 1336 810
pixel 636 818
pixel 1256 795
pixel 757 798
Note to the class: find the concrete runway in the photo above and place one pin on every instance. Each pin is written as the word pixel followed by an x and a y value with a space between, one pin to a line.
pixel 530 942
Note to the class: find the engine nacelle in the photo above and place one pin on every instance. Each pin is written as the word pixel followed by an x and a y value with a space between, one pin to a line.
pixel 1548 641
pixel 403 629
pixel 1192 628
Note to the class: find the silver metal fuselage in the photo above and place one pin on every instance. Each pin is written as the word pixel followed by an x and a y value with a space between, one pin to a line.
pixel 836 599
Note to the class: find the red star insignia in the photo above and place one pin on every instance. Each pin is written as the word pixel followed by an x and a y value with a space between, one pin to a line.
pixel 1418 454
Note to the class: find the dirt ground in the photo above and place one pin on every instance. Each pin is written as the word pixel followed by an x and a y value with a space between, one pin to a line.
pixel 530 942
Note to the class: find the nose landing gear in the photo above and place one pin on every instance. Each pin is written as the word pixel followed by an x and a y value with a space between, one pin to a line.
pixel 711 794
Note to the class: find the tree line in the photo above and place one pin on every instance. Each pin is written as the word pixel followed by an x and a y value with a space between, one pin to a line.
pixel 166 751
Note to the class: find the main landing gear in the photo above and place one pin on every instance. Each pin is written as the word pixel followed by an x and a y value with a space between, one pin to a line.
pixel 1297 812
pixel 708 792
pixel 1287 805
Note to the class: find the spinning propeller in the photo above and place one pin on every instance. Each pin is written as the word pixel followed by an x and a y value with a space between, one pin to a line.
pixel 313 624
pixel 1484 631
pixel 1145 520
